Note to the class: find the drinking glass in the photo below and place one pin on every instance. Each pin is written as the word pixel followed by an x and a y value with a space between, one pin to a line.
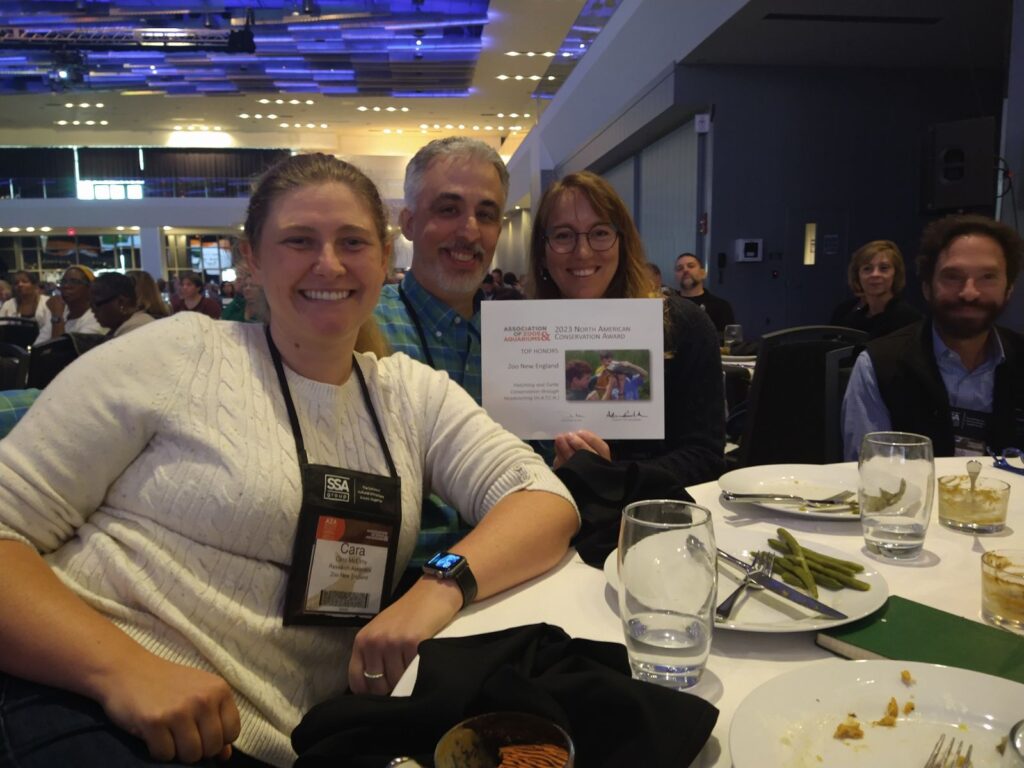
pixel 897 482
pixel 1002 588
pixel 979 509
pixel 505 738
pixel 668 578
pixel 731 335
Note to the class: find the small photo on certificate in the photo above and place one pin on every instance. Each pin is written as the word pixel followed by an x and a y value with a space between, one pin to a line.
pixel 607 374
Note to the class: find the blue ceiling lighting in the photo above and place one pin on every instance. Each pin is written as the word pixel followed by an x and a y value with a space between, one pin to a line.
pixel 412 48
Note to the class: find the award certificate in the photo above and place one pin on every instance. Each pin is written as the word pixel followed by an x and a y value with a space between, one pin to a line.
pixel 560 365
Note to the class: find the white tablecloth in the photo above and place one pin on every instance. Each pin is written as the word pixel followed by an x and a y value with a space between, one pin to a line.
pixel 575 596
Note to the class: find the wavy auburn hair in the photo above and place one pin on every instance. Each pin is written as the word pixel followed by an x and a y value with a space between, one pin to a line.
pixel 632 279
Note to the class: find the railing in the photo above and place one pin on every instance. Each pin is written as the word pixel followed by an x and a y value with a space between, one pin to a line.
pixel 181 186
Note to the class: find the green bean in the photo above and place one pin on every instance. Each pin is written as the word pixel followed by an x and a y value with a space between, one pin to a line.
pixel 826 560
pixel 803 572
pixel 786 565
pixel 819 571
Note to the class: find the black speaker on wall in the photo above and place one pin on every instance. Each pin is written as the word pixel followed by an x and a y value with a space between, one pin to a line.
pixel 960 166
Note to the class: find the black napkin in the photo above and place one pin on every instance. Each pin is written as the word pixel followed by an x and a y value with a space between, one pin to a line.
pixel 602 488
pixel 583 685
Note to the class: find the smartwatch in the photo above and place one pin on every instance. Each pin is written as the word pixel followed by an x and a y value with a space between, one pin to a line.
pixel 448 565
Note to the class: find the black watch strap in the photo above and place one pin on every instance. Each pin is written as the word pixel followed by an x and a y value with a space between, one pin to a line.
pixel 467 583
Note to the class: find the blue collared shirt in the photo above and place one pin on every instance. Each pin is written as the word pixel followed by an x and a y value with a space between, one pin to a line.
pixel 864 410
pixel 453 341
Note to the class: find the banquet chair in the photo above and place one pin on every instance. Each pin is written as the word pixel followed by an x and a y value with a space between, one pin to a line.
pixel 13 366
pixel 788 419
pixel 18 330
pixel 51 357
pixel 838 368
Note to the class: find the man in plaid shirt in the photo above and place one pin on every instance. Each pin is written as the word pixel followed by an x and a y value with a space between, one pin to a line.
pixel 455 191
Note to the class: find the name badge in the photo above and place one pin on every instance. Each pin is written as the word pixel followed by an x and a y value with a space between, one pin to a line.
pixel 345 547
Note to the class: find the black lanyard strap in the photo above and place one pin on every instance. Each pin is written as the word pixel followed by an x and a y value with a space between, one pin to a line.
pixel 293 416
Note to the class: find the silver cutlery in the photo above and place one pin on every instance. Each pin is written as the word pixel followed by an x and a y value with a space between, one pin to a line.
pixel 763 563
pixel 940 758
pixel 785 498
pixel 782 589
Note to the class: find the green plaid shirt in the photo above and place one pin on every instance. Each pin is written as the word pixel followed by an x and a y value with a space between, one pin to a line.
pixel 13 405
pixel 453 342
pixel 454 345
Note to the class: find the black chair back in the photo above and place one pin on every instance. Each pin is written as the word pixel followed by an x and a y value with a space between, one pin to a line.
pixel 791 395
pixel 838 367
pixel 18 330
pixel 13 366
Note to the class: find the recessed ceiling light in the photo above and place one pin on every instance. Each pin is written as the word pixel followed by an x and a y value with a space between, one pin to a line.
pixel 503 77
pixel 566 54
pixel 387 130
pixel 30 229
pixel 549 54
pixel 551 77
pixel 283 125
pixel 14 229
pixel 501 114
pixel 583 45
pixel 119 229
pixel 84 105
pixel 45 229
pixel 104 122
pixel 512 114
pixel 264 101
pixel 204 128
pixel 62 122
pixel 423 126
pixel 535 77
pixel 279 101
pixel 376 109
pixel 177 127
pixel 462 127
pixel 99 106
pixel 76 122
pixel 166 228
pixel 405 109
pixel 294 101
pixel 271 117
pixel 362 109
pixel 512 53
pixel 389 109
pixel 530 53
pixel 309 101
pixel 258 116
pixel 501 127
pixel 398 130
pixel 216 128
pixel 310 125
pixel 488 127
pixel 448 126
pixel 90 122
pixel 436 126
pixel 69 105
pixel 519 77
pixel 476 127
pixel 244 115
pixel 526 114
pixel 323 125
pixel 135 228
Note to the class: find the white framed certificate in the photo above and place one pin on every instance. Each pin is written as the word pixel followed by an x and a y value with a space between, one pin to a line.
pixel 559 365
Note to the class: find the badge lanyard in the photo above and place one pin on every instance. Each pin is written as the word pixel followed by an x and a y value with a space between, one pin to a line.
pixel 346 541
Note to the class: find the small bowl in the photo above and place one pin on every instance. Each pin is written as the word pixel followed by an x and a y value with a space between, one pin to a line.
pixel 505 739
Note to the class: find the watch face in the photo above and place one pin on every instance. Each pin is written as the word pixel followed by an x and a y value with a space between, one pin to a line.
pixel 444 562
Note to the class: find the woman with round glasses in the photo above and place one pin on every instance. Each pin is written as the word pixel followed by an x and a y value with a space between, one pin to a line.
pixel 585 245
pixel 70 310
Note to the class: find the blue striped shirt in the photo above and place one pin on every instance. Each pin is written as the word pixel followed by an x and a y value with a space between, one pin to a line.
pixel 453 342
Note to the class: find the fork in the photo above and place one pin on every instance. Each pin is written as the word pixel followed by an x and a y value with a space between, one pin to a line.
pixel 940 758
pixel 763 563
pixel 785 498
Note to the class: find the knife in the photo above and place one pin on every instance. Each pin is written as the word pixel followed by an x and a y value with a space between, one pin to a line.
pixel 783 589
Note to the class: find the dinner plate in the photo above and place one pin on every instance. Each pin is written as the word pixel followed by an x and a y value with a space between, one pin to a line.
pixel 810 481
pixel 762 611
pixel 789 721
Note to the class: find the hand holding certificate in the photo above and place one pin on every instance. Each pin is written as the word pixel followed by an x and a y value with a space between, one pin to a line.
pixel 556 366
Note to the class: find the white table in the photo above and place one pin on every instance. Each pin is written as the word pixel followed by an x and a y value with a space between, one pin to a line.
pixel 575 596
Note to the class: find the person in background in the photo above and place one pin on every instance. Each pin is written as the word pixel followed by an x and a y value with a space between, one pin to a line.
pixel 70 311
pixel 148 292
pixel 144 564
pixel 585 245
pixel 29 303
pixel 487 287
pixel 5 291
pixel 956 377
pixel 659 286
pixel 248 306
pixel 499 276
pixel 455 191
pixel 115 304
pixel 876 276
pixel 690 274
pixel 190 297
pixel 227 291
pixel 511 281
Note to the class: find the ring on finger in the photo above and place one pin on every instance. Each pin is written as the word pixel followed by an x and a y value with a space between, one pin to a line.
pixel 373 675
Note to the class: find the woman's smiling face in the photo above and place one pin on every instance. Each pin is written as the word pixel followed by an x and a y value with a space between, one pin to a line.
pixel 583 272
pixel 320 263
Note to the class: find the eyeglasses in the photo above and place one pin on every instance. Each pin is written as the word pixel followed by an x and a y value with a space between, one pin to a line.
pixel 65 282
pixel 1008 453
pixel 97 303
pixel 600 238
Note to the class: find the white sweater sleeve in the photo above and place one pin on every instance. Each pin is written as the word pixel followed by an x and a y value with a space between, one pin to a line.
pixel 86 427
pixel 470 460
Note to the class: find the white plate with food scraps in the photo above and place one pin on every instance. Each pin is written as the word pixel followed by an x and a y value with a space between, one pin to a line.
pixel 790 721
pixel 809 481
pixel 759 610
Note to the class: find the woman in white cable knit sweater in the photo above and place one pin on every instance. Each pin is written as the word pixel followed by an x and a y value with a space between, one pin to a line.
pixel 144 552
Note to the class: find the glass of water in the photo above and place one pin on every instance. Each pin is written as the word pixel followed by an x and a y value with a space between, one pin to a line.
pixel 668 586
pixel 897 483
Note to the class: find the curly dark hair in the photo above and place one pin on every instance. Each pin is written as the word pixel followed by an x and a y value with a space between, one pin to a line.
pixel 938 235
